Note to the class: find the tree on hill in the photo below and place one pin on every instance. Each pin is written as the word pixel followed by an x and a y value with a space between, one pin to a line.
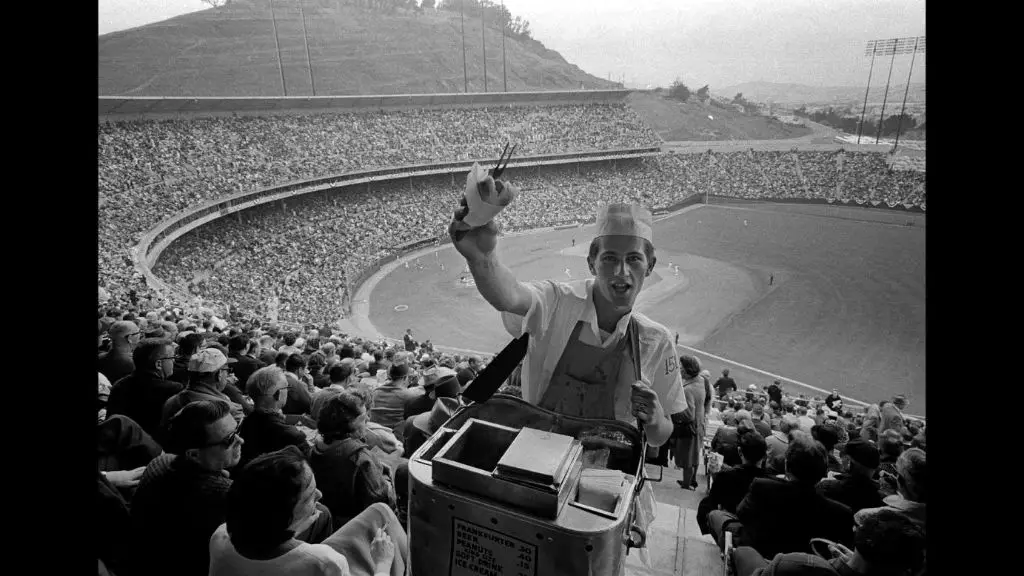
pixel 703 93
pixel 679 91
pixel 216 3
pixel 738 97
pixel 427 4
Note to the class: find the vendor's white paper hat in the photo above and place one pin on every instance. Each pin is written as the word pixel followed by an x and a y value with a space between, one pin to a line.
pixel 625 220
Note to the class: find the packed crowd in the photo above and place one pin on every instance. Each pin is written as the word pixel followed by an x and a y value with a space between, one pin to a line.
pixel 784 470
pixel 251 450
pixel 304 256
pixel 151 170
pixel 228 448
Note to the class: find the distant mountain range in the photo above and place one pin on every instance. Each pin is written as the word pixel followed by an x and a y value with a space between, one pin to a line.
pixel 797 94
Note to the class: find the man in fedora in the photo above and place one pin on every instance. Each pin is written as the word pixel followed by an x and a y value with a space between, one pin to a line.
pixel 422 426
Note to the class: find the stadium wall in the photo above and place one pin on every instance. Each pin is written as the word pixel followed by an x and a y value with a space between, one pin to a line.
pixel 123 108
pixel 146 253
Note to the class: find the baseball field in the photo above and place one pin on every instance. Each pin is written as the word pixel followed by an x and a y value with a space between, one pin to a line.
pixel 819 296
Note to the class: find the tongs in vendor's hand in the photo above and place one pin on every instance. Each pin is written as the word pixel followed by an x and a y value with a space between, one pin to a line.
pixel 499 168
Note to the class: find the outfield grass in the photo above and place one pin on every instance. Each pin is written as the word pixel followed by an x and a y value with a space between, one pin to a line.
pixel 846 308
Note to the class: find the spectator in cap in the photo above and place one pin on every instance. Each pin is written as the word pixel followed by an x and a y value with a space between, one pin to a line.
pixel 912 488
pixel 885 544
pixel 245 364
pixel 410 344
pixel 725 384
pixel 208 376
pixel 350 475
pixel 422 426
pixel 273 504
pixel 445 386
pixel 689 425
pixel 182 495
pixel 779 516
pixel 117 363
pixel 778 443
pixel 731 485
pixel 265 430
pixel 389 399
pixel 299 391
pixel 856 487
pixel 142 394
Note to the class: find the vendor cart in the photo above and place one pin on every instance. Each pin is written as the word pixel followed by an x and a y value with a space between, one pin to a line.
pixel 467 517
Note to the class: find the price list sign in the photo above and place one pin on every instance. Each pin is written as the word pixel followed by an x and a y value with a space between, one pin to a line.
pixel 479 551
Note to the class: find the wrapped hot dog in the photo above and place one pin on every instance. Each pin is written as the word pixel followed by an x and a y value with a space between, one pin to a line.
pixel 485 197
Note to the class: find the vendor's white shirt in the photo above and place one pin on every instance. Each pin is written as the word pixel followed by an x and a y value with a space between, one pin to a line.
pixel 303 560
pixel 554 312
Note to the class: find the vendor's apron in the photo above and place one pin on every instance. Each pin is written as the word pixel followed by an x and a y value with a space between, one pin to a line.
pixel 584 384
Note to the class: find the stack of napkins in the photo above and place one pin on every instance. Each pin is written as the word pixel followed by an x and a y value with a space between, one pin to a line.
pixel 600 488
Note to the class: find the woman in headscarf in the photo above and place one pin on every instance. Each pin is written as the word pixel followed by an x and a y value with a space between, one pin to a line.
pixel 690 423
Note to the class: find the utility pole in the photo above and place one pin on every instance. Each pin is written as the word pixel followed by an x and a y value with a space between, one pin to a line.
pixel 504 61
pixel 305 39
pixel 483 42
pixel 881 119
pixel 462 17
pixel 277 42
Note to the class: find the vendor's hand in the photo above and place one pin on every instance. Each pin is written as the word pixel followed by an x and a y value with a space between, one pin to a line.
pixel 126 478
pixel 382 550
pixel 473 243
pixel 644 402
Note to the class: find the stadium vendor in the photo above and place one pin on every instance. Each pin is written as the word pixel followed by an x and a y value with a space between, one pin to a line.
pixel 579 362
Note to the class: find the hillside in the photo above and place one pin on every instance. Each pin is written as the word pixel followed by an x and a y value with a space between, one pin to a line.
pixel 230 51
pixel 802 94
pixel 675 121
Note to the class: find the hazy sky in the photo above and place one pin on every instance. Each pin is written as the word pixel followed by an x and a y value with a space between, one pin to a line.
pixel 716 42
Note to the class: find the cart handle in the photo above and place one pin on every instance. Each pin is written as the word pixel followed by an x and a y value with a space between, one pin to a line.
pixel 641 537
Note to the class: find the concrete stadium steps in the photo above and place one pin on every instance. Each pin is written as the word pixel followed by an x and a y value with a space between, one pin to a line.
pixel 674 541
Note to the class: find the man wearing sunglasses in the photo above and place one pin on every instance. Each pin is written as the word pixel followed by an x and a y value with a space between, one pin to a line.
pixel 182 496
pixel 117 363
pixel 142 394
pixel 209 371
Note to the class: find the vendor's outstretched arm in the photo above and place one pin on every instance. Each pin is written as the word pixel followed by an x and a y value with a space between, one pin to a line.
pixel 495 281
pixel 498 285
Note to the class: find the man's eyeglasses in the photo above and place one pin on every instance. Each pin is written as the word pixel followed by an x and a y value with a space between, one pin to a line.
pixel 227 442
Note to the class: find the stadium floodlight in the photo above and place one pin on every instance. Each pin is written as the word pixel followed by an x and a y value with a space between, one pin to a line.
pixel 918 46
pixel 887 47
